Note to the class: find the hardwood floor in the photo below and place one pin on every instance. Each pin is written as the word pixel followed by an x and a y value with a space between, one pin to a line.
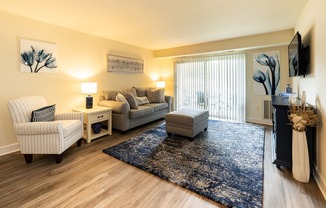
pixel 89 178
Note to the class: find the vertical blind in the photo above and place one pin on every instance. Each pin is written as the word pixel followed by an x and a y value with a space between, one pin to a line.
pixel 213 83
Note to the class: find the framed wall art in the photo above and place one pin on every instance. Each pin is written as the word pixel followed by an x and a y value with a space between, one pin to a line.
pixel 37 57
pixel 266 73
pixel 124 64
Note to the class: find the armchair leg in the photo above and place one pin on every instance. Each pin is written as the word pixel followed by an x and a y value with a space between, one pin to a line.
pixel 58 158
pixel 28 158
pixel 79 142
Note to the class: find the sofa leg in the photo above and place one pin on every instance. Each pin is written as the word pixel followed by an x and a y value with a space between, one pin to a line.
pixel 28 158
pixel 58 158
pixel 79 142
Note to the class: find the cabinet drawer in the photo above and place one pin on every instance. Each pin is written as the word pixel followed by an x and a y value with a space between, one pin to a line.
pixel 99 116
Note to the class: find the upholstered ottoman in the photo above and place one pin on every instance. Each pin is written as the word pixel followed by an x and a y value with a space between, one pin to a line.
pixel 186 122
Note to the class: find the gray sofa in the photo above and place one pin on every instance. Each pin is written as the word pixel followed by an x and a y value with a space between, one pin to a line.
pixel 126 116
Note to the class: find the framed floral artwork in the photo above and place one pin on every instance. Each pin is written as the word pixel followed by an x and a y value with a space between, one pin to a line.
pixel 38 57
pixel 266 73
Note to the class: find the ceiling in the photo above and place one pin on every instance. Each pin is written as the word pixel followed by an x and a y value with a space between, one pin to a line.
pixel 162 24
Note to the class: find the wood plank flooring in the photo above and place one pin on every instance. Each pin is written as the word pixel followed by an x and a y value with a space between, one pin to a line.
pixel 89 178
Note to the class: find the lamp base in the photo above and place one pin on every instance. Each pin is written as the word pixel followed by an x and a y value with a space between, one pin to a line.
pixel 89 102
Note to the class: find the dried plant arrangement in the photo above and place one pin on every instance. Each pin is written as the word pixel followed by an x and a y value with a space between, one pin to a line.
pixel 302 116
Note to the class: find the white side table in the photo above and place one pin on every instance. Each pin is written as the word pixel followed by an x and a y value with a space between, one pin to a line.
pixel 94 115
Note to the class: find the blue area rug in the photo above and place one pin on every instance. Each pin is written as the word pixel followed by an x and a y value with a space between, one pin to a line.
pixel 224 163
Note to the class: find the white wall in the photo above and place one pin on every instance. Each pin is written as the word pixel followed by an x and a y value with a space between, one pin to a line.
pixel 311 26
pixel 81 57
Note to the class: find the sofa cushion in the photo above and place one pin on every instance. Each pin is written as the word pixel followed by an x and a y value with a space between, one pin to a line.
pixel 121 98
pixel 141 111
pixel 129 91
pixel 155 96
pixel 110 95
pixel 132 101
pixel 141 91
pixel 142 100
pixel 157 106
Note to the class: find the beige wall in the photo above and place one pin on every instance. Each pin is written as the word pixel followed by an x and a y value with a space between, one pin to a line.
pixel 81 57
pixel 311 26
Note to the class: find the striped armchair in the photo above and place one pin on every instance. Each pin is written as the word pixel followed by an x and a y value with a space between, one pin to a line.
pixel 44 137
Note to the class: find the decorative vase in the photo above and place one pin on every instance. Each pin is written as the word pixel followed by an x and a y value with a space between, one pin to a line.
pixel 300 156
pixel 303 98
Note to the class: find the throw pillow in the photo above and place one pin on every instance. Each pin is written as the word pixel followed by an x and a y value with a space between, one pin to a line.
pixel 142 100
pixel 121 98
pixel 129 91
pixel 132 101
pixel 110 95
pixel 43 114
pixel 141 91
pixel 155 96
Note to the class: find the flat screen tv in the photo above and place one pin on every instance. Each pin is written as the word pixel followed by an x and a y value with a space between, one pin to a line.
pixel 298 57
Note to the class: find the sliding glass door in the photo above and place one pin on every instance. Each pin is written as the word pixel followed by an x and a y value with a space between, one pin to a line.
pixel 213 83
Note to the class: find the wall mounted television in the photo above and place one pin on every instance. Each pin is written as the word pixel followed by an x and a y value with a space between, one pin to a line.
pixel 298 57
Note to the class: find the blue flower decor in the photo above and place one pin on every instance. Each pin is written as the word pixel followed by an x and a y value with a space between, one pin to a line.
pixel 271 78
pixel 38 58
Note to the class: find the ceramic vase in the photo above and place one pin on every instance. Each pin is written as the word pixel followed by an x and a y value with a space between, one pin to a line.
pixel 300 156
pixel 303 98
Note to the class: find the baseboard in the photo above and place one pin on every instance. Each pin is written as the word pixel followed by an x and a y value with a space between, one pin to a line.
pixel 259 121
pixel 321 182
pixel 9 149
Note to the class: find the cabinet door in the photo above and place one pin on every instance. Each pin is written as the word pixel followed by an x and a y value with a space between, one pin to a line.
pixel 283 138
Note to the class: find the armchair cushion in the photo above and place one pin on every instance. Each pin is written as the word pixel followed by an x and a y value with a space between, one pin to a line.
pixel 43 114
pixel 70 126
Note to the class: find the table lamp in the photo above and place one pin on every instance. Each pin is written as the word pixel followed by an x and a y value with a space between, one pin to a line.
pixel 160 84
pixel 89 88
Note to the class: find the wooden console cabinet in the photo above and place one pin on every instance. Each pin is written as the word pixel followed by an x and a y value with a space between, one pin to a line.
pixel 282 135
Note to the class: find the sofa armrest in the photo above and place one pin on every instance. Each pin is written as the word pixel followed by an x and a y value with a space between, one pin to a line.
pixel 168 100
pixel 117 107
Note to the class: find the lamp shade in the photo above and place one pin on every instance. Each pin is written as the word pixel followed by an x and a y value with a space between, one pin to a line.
pixel 89 88
pixel 160 84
